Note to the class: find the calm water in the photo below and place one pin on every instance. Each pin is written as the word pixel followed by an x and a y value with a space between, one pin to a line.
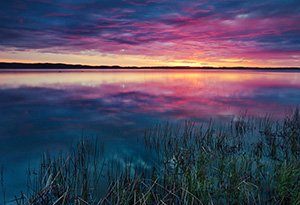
pixel 42 111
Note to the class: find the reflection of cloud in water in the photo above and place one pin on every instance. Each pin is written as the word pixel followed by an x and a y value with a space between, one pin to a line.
pixel 46 112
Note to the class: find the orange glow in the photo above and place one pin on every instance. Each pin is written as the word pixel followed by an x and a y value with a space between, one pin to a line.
pixel 137 60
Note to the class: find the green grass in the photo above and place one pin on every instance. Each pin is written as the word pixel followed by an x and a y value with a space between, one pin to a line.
pixel 244 161
pixel 74 178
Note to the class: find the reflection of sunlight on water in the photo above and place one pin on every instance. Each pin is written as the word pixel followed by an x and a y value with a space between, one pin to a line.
pixel 93 78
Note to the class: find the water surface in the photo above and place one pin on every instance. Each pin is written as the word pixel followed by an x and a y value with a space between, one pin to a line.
pixel 47 110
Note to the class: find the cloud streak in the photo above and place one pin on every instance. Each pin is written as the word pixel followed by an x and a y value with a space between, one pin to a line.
pixel 208 32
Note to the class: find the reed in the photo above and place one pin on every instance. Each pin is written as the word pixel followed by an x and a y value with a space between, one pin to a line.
pixel 244 161
pixel 67 179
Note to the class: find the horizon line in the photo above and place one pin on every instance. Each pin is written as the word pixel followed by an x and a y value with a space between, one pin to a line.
pixel 13 65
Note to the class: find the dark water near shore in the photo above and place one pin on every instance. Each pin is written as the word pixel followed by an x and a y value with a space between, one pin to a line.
pixel 47 110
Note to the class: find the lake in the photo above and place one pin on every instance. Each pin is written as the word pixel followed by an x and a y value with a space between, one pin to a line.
pixel 47 110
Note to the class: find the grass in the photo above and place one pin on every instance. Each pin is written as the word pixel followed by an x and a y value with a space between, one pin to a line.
pixel 67 179
pixel 244 161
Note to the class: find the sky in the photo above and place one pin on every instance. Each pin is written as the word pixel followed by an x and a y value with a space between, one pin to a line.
pixel 217 33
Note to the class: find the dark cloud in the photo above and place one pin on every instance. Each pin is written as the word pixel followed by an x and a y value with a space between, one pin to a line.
pixel 107 26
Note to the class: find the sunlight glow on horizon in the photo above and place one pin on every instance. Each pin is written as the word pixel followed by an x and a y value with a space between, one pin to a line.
pixel 123 60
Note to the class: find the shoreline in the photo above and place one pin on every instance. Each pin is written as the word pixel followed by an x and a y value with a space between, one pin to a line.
pixel 34 66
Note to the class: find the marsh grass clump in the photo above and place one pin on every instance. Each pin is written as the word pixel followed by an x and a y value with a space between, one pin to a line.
pixel 251 161
pixel 245 161
pixel 71 179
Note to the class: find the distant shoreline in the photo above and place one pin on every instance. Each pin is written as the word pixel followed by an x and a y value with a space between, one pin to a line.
pixel 79 66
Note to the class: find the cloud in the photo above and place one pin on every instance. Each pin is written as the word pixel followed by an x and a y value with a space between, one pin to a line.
pixel 173 29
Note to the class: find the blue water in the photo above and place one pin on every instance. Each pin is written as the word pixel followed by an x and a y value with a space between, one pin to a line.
pixel 48 110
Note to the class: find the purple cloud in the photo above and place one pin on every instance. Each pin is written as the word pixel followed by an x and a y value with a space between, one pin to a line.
pixel 204 30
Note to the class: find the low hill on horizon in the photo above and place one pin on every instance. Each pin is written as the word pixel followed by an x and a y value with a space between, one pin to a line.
pixel 4 65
